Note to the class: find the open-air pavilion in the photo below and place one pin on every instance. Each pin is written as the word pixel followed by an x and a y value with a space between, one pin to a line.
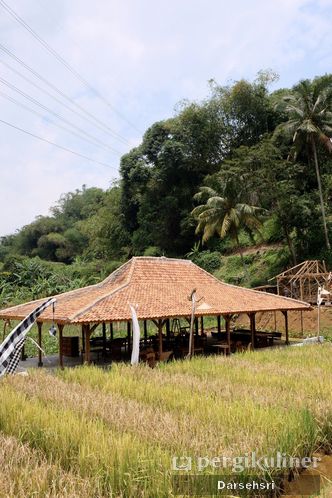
pixel 160 289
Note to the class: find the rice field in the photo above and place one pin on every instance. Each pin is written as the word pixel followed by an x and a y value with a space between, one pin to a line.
pixel 90 432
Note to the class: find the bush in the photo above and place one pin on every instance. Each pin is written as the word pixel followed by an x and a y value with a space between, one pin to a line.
pixel 152 251
pixel 209 261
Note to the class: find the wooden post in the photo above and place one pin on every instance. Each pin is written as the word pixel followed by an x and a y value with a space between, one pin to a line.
pixel 275 321
pixel 168 329
pixel 83 342
pixel 202 325
pixel 111 331
pixel 87 344
pixel 286 326
pixel 302 327
pixel 104 338
pixel 196 326
pixel 252 317
pixel 40 357
pixel 228 329
pixel 129 336
pixel 145 332
pixel 219 324
pixel 160 334
pixel 60 329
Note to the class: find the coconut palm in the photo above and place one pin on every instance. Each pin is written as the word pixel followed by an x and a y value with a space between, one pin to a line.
pixel 309 109
pixel 222 212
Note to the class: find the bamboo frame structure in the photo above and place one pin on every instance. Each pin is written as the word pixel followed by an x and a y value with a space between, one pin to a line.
pixel 303 280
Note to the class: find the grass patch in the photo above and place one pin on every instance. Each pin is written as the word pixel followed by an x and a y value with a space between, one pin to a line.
pixel 119 429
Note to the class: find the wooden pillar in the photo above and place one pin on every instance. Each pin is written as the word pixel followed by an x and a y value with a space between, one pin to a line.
pixel 129 336
pixel 145 332
pixel 87 344
pixel 196 326
pixel 252 317
pixel 202 325
pixel 160 336
pixel 40 354
pixel 275 321
pixel 104 338
pixel 60 329
pixel 83 341
pixel 286 326
pixel 228 329
pixel 168 329
pixel 219 324
pixel 111 331
pixel 302 327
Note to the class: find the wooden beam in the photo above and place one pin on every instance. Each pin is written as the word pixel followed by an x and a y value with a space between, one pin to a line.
pixel 87 344
pixel 286 326
pixel 160 336
pixel 301 313
pixel 93 327
pixel 83 342
pixel 129 335
pixel 228 329
pixel 111 331
pixel 168 329
pixel 60 329
pixel 252 317
pixel 202 325
pixel 219 324
pixel 196 326
pixel 145 332
pixel 104 338
pixel 40 354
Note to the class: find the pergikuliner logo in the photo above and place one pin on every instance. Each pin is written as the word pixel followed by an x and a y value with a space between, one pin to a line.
pixel 240 463
pixel 182 463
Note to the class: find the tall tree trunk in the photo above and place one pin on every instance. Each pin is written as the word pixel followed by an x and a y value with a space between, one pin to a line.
pixel 327 241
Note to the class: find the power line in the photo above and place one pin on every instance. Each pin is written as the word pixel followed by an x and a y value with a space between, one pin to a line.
pixel 62 61
pixel 56 145
pixel 96 121
pixel 20 104
pixel 47 109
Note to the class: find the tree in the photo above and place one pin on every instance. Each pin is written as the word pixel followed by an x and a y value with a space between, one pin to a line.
pixel 223 212
pixel 309 109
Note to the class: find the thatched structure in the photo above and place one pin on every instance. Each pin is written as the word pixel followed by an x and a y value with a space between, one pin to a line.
pixel 303 280
pixel 160 288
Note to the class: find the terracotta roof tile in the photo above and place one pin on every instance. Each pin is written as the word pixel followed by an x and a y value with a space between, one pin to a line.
pixel 160 288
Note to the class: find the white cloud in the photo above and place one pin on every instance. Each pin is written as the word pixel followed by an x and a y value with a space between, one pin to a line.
pixel 143 57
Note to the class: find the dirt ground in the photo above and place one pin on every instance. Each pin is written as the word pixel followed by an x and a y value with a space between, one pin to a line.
pixel 307 326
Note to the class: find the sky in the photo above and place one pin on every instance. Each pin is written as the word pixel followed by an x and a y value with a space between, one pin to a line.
pixel 132 61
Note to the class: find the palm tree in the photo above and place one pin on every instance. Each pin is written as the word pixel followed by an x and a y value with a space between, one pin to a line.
pixel 309 109
pixel 222 212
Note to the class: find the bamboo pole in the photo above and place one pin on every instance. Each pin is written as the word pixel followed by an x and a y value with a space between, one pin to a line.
pixel 60 329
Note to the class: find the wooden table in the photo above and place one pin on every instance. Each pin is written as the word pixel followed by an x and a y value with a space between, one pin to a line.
pixel 223 348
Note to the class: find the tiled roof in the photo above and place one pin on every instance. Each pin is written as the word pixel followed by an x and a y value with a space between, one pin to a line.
pixel 160 288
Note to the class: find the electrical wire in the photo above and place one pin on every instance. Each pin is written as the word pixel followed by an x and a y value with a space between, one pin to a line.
pixel 96 121
pixel 62 61
pixel 58 116
pixel 27 108
pixel 56 145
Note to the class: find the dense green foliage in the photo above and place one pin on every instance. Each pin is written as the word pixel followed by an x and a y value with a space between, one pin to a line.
pixel 262 158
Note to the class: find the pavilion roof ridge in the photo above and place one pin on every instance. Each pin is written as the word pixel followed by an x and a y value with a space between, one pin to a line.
pixel 83 310
pixel 250 290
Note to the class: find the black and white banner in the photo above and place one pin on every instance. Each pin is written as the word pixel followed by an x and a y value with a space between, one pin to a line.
pixel 11 347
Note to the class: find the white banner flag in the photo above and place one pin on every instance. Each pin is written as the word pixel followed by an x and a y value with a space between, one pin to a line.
pixel 136 337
